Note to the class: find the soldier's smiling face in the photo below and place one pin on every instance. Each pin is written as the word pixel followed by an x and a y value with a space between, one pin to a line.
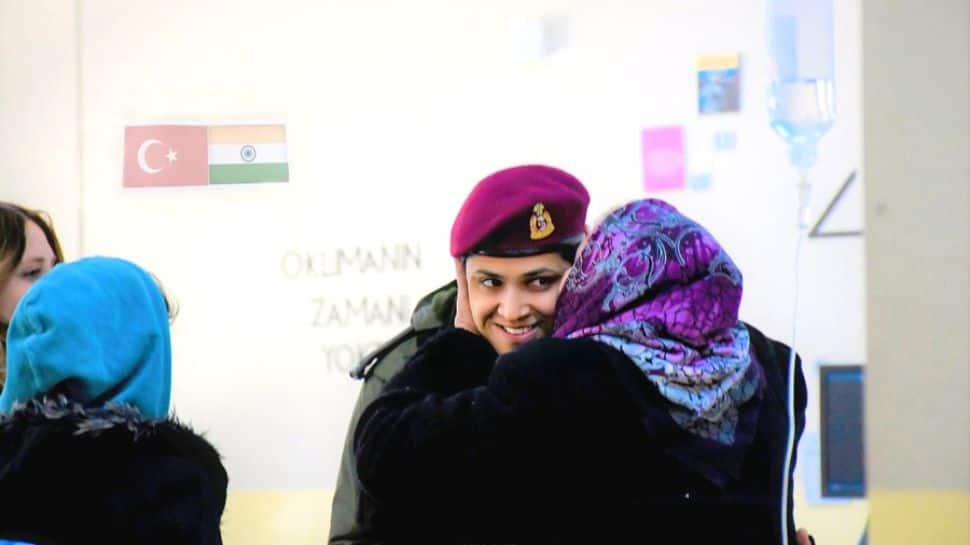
pixel 513 299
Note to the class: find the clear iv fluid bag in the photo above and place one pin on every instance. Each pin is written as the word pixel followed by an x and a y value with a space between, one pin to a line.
pixel 801 97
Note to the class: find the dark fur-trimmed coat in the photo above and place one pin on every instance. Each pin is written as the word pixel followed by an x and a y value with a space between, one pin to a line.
pixel 70 475
pixel 553 444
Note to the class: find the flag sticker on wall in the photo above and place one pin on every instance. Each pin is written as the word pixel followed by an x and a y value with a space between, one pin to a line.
pixel 188 155
pixel 166 155
pixel 247 153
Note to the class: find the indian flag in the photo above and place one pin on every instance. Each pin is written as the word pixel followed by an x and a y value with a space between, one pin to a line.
pixel 247 153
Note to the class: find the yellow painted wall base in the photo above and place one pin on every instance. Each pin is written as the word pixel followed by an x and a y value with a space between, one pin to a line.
pixel 904 517
pixel 294 517
pixel 835 523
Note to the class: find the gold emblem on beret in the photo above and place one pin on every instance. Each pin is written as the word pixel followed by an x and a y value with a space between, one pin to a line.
pixel 540 224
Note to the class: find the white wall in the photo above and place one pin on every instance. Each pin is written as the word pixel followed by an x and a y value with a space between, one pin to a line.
pixel 393 111
pixel 39 140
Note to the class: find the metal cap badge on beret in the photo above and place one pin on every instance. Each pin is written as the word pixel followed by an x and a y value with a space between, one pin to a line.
pixel 519 211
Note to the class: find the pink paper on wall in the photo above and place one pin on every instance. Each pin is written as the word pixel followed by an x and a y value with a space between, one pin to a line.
pixel 663 158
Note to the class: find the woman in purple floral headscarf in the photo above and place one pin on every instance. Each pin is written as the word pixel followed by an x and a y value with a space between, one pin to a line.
pixel 657 286
pixel 653 415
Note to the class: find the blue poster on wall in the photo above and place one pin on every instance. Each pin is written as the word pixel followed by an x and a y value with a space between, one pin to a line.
pixel 718 83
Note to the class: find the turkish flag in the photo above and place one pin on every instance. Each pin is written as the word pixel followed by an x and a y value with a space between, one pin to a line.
pixel 166 155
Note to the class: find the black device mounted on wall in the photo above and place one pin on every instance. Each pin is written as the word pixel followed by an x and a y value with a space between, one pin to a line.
pixel 842 410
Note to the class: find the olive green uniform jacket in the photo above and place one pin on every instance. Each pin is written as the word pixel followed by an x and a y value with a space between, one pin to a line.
pixel 351 511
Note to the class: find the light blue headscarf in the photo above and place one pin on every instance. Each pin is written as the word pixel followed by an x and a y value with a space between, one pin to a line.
pixel 99 324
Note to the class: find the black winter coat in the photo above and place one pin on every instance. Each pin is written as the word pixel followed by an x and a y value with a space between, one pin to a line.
pixel 551 445
pixel 107 476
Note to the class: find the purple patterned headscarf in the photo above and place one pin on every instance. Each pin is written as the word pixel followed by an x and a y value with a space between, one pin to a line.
pixel 657 286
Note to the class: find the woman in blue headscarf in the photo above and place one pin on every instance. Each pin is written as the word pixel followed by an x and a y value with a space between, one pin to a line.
pixel 88 452
pixel 653 415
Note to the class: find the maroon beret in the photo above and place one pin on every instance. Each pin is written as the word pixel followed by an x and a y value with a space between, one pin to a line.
pixel 520 210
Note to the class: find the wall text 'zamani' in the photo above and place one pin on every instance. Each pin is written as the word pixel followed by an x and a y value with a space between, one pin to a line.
pixel 365 311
